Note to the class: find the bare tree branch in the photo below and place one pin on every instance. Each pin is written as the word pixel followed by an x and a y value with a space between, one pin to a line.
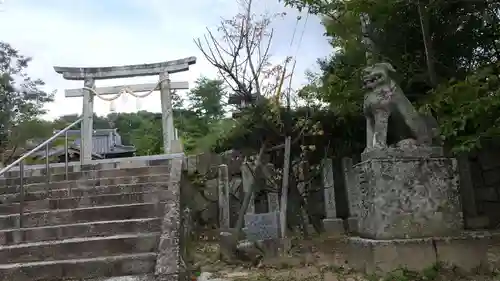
pixel 241 52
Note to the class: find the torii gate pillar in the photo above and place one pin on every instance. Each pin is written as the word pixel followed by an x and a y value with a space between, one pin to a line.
pixel 90 74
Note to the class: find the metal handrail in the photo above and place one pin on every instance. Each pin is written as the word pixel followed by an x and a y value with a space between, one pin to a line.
pixel 45 143
pixel 21 159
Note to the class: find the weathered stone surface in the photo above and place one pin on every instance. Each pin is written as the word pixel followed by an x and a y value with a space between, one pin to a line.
pixel 249 251
pixel 334 226
pixel 227 245
pixel 352 225
pixel 83 201
pixel 90 175
pixel 116 219
pixel 79 269
pixel 327 173
pixel 223 187
pixel 352 176
pixel 247 180
pixel 467 188
pixel 143 277
pixel 76 190
pixel 382 99
pixel 476 223
pixel 271 247
pixel 192 163
pixel 387 255
pixel 169 248
pixel 329 189
pixel 352 189
pixel 273 202
pixel 409 198
pixel 489 158
pixel 103 213
pixel 80 248
pixel 59 232
pixel 204 162
pixel 468 251
pixel 410 151
pixel 262 226
pixel 330 206
pixel 104 164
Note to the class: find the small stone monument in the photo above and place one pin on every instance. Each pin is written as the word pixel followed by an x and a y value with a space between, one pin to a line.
pixel 352 194
pixel 223 188
pixel 332 224
pixel 247 181
pixel 272 197
pixel 262 226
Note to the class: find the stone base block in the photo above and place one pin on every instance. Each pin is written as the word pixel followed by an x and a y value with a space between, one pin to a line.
pixel 334 226
pixel 468 252
pixel 352 225
pixel 271 247
pixel 402 198
pixel 311 229
pixel 381 256
pixel 474 223
pixel 170 277
pixel 371 256
pixel 262 226
pixel 399 152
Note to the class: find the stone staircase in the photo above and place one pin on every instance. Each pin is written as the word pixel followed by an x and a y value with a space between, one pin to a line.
pixel 105 220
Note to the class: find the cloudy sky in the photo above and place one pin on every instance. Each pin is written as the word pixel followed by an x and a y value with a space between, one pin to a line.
pixel 120 32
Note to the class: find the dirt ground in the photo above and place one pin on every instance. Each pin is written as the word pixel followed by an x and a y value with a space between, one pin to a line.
pixel 308 260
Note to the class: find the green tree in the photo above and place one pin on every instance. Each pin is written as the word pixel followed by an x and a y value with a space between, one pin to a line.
pixel 142 129
pixel 206 99
pixel 21 100
pixel 202 121
pixel 442 40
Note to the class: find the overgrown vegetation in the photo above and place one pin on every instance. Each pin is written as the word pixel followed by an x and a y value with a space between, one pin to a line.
pixel 446 61
pixel 446 54
pixel 21 102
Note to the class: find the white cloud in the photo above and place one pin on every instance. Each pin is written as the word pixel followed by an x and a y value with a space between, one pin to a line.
pixel 88 33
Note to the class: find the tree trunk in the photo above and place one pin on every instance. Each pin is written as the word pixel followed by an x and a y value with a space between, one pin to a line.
pixel 301 205
pixel 423 13
pixel 248 196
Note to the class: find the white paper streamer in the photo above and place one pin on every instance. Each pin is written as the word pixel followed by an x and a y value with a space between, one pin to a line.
pixel 112 106
pixel 138 104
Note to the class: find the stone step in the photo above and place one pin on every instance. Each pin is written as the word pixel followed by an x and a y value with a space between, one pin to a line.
pixel 83 191
pixel 142 277
pixel 93 174
pixel 58 203
pixel 80 215
pixel 78 269
pixel 117 163
pixel 79 230
pixel 84 183
pixel 80 248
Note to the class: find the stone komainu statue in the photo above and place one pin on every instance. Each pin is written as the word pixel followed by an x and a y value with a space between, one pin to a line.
pixel 383 98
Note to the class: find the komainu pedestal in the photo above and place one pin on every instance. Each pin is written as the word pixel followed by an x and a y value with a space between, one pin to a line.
pixel 411 196
pixel 406 198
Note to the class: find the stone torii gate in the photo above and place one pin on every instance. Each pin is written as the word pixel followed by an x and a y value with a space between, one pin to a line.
pixel 90 74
